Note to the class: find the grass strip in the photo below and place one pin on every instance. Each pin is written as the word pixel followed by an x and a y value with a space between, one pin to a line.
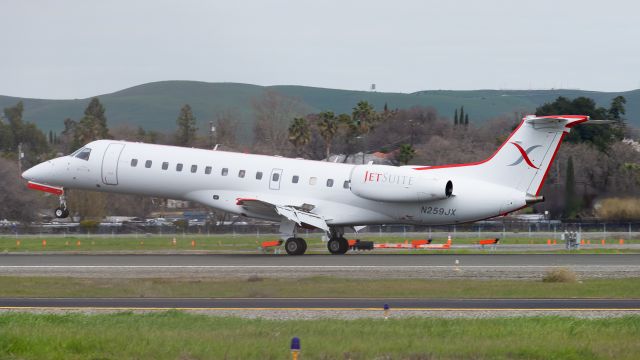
pixel 176 335
pixel 321 286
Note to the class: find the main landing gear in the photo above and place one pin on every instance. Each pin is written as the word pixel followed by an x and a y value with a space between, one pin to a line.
pixel 62 211
pixel 337 244
pixel 293 245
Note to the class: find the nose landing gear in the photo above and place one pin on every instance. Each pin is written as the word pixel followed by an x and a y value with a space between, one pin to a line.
pixel 62 211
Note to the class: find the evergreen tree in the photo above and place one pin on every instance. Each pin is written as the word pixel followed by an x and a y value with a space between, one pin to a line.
pixel 406 153
pixel 461 118
pixel 466 119
pixel 571 200
pixel 601 136
pixel 186 132
pixel 455 117
pixel 97 119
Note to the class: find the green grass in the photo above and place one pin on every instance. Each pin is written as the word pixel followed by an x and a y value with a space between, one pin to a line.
pixel 176 335
pixel 249 243
pixel 314 287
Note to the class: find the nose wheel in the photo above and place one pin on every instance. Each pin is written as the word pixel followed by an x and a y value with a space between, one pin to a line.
pixel 62 211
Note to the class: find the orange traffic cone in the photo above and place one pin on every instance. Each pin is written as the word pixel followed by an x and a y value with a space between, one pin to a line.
pixel 602 242
pixel 44 243
pixel 549 242
pixel 554 242
pixel 193 243
pixel 621 241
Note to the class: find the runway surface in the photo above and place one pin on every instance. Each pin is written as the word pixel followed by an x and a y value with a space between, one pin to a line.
pixel 366 266
pixel 321 304
pixel 368 260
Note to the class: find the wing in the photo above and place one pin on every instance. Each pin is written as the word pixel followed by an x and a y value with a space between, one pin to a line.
pixel 298 214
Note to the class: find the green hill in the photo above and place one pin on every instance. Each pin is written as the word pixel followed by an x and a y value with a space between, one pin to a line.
pixel 156 105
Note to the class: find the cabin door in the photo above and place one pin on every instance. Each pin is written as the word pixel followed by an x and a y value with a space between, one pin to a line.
pixel 110 164
pixel 274 180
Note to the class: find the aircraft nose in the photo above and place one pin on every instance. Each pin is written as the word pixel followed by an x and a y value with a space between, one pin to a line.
pixel 39 173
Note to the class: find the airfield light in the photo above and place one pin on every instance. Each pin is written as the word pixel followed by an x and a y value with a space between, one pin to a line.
pixel 295 347
pixel 386 311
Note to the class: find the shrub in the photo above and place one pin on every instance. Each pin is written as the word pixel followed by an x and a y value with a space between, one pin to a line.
pixel 618 209
pixel 562 275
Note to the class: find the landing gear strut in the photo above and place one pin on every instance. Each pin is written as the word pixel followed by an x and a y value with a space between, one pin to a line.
pixel 62 211
pixel 337 244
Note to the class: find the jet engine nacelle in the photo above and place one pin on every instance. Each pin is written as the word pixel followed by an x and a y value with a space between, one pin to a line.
pixel 398 184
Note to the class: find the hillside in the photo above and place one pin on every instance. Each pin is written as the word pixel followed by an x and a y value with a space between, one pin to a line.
pixel 156 105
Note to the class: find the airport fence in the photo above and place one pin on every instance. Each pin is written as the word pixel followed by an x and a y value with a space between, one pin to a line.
pixel 484 229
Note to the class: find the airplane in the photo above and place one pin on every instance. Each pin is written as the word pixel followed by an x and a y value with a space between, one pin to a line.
pixel 301 193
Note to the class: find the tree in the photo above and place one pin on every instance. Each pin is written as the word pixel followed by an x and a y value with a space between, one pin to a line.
pixel 406 153
pixel 328 125
pixel 571 200
pixel 186 133
pixel 466 119
pixel 455 117
pixel 227 128
pixel 95 112
pixel 601 136
pixel 273 111
pixel 616 110
pixel 299 133
pixel 33 140
pixel 461 118
pixel 364 118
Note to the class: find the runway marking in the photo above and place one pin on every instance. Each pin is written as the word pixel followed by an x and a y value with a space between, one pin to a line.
pixel 303 309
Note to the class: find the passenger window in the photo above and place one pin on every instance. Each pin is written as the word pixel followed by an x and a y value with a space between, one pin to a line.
pixel 225 171
pixel 147 164
pixel 134 162
pixel 194 168
pixel 259 175
pixel 329 182
pixel 313 180
pixel 84 154
pixel 207 170
pixel 165 165
pixel 345 184
pixel 178 167
pixel 241 173
pixel 295 179
pixel 275 177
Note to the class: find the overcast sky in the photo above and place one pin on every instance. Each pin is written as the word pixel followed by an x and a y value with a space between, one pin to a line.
pixel 76 49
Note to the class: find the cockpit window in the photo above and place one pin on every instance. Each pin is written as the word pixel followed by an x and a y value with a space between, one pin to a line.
pixel 76 152
pixel 84 154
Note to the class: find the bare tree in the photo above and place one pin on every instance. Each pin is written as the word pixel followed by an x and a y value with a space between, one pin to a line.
pixel 227 128
pixel 273 112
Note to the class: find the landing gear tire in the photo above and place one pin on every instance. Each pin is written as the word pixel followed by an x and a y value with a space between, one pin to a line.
pixel 338 246
pixel 295 246
pixel 62 213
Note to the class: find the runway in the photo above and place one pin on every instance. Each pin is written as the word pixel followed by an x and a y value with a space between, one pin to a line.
pixel 329 304
pixel 349 260
pixel 357 265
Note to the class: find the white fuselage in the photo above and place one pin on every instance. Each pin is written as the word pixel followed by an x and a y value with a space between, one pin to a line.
pixel 218 179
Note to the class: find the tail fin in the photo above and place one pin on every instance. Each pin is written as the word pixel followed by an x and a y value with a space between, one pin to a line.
pixel 523 161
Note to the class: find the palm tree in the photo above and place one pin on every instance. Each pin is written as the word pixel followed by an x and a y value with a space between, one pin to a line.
pixel 364 117
pixel 299 133
pixel 328 128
